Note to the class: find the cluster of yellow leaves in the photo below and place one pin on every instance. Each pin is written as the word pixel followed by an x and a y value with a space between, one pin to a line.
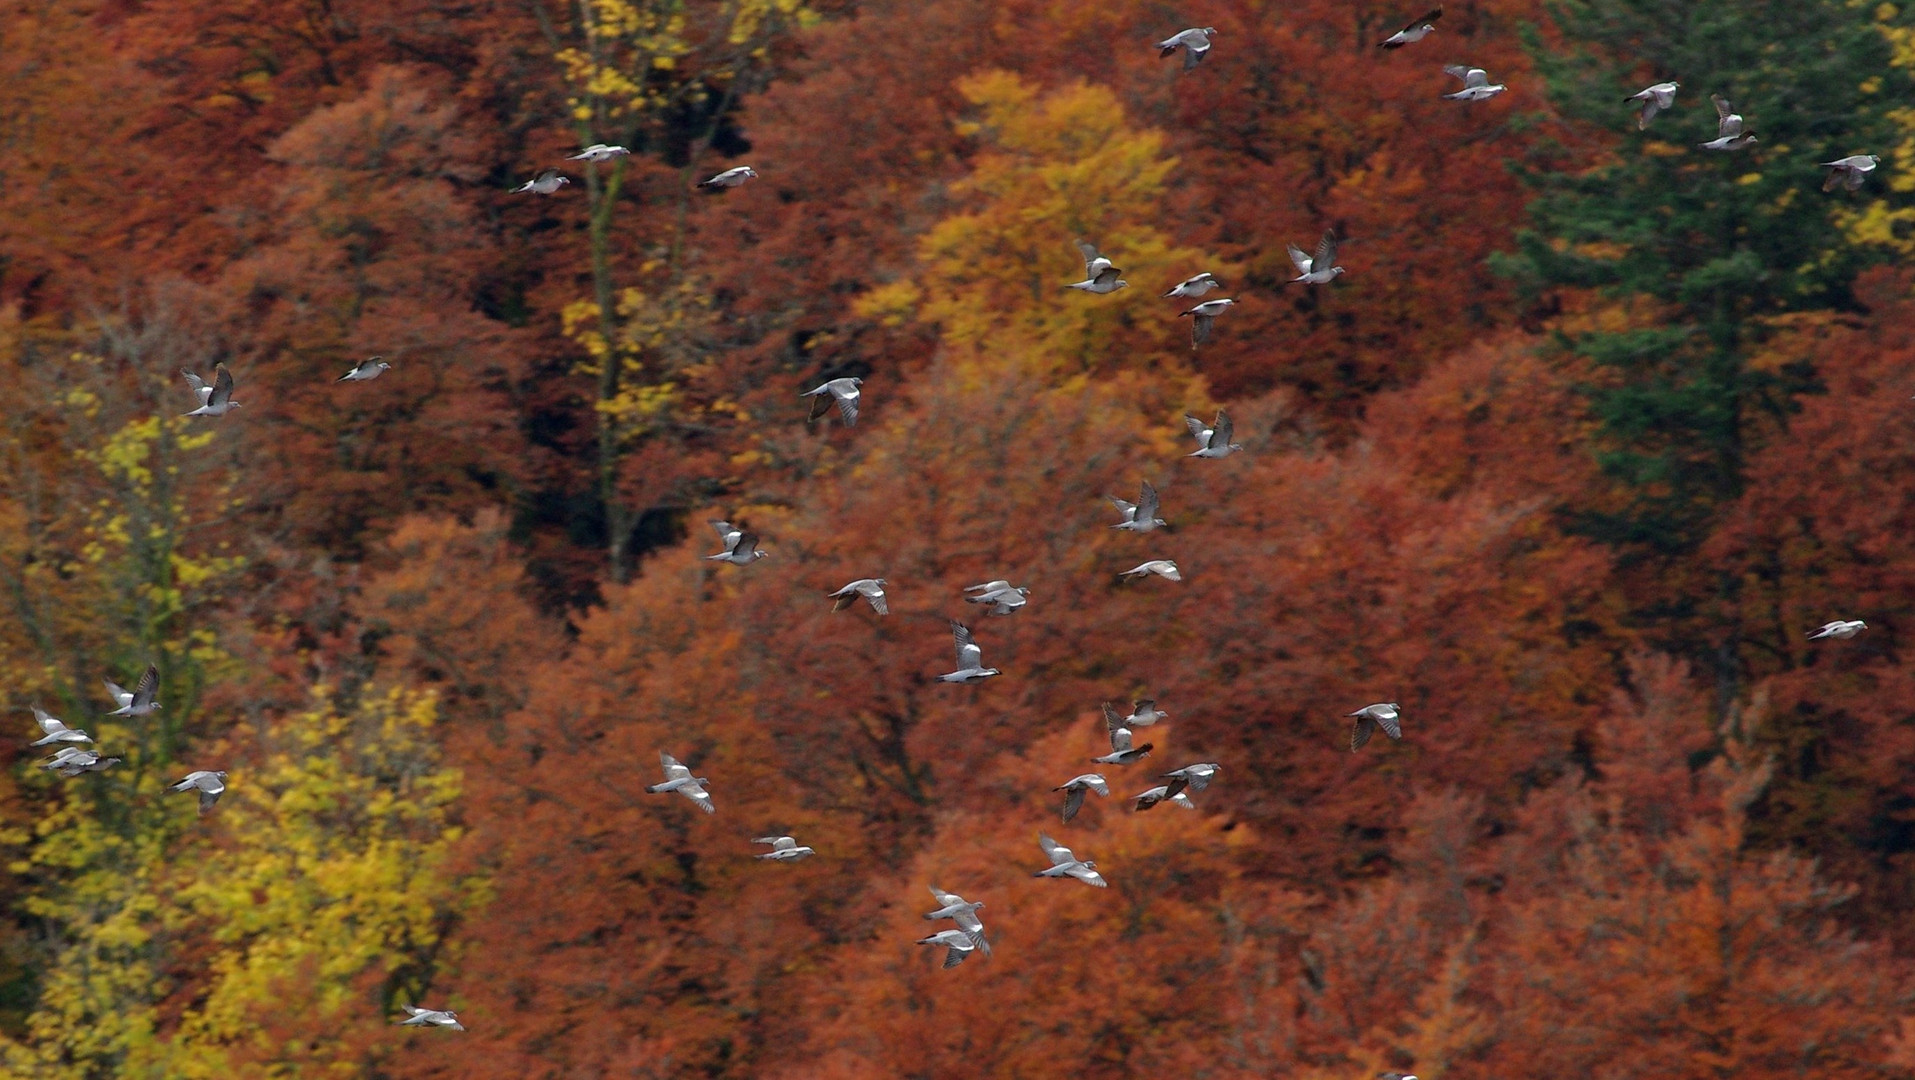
pixel 655 344
pixel 321 876
pixel 1875 222
pixel 1056 168
pixel 623 42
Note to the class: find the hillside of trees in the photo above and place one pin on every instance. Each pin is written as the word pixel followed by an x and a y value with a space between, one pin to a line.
pixel 1595 429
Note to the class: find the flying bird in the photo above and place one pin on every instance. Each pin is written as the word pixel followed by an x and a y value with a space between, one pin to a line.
pixel 1171 793
pixel 871 589
pixel 1654 99
pixel 1203 317
pixel 1195 777
pixel 1371 717
pixel 1143 713
pixel 444 1018
pixel 1729 132
pixel 1416 31
pixel 210 785
pixel 680 779
pixel 71 761
pixel 1195 286
pixel 963 912
pixel 598 152
pixel 54 731
pixel 1195 42
pixel 1213 441
pixel 741 548
pixel 730 178
pixel 366 370
pixel 957 944
pixel 1000 594
pixel 1839 630
pixel 1074 790
pixel 844 392
pixel 783 848
pixel 214 400
pixel 1121 750
pixel 1099 275
pixel 1140 516
pixel 1318 269
pixel 1476 84
pixel 1163 568
pixel 1065 864
pixel 1850 170
pixel 544 183
pixel 138 702
pixel 970 658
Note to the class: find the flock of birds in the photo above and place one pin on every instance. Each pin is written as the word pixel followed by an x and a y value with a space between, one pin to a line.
pixel 998 598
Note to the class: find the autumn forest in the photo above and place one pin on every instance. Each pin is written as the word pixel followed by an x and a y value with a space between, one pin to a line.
pixel 1596 427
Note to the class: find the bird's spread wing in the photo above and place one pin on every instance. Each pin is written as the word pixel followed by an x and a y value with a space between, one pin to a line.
pixel 47 723
pixel 747 543
pixel 1223 430
pixel 1199 429
pixel 1200 329
pixel 1723 112
pixel 697 793
pixel 548 176
pixel 1477 77
pixel 1120 740
pixel 1147 504
pixel 1301 260
pixel 1360 734
pixel 198 384
pixel 1425 20
pixel 1461 71
pixel 673 770
pixel 988 587
pixel 1086 875
pixel 1073 802
pixel 222 386
pixel 847 405
pixel 1058 853
pixel 1090 256
pixel 1129 510
pixel 969 656
pixel 1391 725
pixel 727 535
pixel 1326 256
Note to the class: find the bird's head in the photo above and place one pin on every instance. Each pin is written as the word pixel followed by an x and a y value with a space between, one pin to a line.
pixel 761 553
pixel 857 381
pixel 880 581
pixel 1024 592
pixel 1860 625
pixel 1122 284
pixel 992 671
pixel 1875 159
pixel 1089 864
pixel 382 365
pixel 751 172
pixel 564 180
pixel 1210 31
pixel 1335 270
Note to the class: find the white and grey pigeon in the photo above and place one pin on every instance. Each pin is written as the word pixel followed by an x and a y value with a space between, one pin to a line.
pixel 1371 717
pixel 1122 750
pixel 1416 31
pixel 71 761
pixel 1065 864
pixel 1099 275
pixel 844 392
pixel 53 730
pixel 1144 712
pixel 1161 793
pixel 964 913
pixel 951 905
pixel 1195 777
pixel 1849 170
pixel 544 183
pixel 1140 516
pixel 210 785
pixel 1163 568
pixel 1074 790
pixel 741 548
pixel 680 779
pixel 730 178
pixel 366 370
pixel 1204 316
pixel 783 849
pixel 1194 287
pixel 598 152
pixel 1476 84
pixel 970 658
pixel 1195 42
pixel 138 701
pixel 418 1017
pixel 1001 595
pixel 214 400
pixel 957 944
pixel 1730 134
pixel 1213 440
pixel 1654 99
pixel 1318 269
pixel 1839 629
pixel 871 588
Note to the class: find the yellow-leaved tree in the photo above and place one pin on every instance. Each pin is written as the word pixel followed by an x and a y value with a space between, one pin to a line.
pixel 1055 168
